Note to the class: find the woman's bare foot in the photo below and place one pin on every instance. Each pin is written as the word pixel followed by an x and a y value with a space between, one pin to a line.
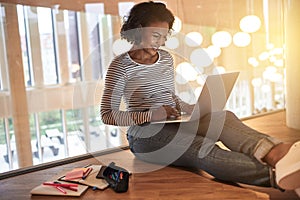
pixel 276 153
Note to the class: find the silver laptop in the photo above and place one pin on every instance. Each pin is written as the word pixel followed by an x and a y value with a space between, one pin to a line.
pixel 213 97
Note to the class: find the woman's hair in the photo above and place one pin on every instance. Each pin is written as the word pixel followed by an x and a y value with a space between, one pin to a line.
pixel 141 15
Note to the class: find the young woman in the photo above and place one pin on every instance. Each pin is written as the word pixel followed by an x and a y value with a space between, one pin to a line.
pixel 144 78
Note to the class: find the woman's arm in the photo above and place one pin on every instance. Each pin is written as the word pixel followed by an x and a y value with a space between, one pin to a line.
pixel 111 114
pixel 182 106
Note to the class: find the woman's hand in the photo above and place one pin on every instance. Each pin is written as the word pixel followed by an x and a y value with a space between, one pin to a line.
pixel 164 112
pixel 189 109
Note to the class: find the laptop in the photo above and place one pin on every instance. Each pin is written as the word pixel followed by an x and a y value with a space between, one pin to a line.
pixel 213 97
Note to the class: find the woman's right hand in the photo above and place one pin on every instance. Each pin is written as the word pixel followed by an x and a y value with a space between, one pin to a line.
pixel 164 112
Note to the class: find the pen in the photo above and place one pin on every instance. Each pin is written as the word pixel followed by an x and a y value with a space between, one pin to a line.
pixel 118 176
pixel 60 189
pixel 69 187
pixel 87 165
pixel 61 184
pixel 87 173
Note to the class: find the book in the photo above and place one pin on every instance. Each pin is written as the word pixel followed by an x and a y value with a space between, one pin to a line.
pixel 78 173
pixel 53 191
pixel 90 180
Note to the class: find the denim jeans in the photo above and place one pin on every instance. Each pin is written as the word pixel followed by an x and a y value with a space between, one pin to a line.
pixel 193 145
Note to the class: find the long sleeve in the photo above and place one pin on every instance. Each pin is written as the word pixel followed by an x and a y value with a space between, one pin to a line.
pixel 180 104
pixel 115 82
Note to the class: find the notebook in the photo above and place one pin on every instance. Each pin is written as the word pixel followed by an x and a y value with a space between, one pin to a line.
pixel 91 180
pixel 213 97
pixel 52 191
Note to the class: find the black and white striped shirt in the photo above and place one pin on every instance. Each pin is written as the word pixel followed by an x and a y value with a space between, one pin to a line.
pixel 143 88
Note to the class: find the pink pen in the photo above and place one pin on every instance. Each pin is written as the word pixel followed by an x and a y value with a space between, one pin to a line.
pixel 87 173
pixel 61 184
pixel 60 189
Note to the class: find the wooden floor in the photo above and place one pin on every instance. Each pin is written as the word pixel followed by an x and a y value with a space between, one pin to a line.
pixel 154 182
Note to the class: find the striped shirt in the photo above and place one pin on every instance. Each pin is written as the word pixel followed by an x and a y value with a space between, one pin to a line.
pixel 143 88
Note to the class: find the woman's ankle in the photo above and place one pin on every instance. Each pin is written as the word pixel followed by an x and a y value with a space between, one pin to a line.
pixel 276 153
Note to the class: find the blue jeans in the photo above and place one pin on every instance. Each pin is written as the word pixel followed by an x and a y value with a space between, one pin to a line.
pixel 193 145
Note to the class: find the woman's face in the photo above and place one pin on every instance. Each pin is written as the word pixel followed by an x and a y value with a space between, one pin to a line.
pixel 154 36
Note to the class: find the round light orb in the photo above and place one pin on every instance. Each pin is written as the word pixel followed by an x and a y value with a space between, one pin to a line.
pixel 266 88
pixel 200 58
pixel 193 39
pixel 201 79
pixel 271 69
pixel 263 56
pixel 187 71
pixel 276 77
pixel 250 23
pixel 241 39
pixel 172 43
pixel 221 39
pixel 256 82
pixel 272 59
pixel 121 46
pixel 177 25
pixel 253 61
pixel 279 63
pixel 270 46
pixel 276 51
pixel 213 51
pixel 180 80
pixel 219 70
pixel 199 70
pixel 268 73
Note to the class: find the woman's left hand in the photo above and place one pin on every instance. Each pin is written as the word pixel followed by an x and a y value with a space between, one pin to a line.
pixel 189 109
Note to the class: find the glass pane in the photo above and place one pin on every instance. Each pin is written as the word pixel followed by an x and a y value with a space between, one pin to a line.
pixel 45 23
pixel 75 131
pixel 2 48
pixel 24 44
pixel 51 135
pixel 6 125
pixel 104 136
pixel 3 149
pixel 95 55
pixel 73 45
